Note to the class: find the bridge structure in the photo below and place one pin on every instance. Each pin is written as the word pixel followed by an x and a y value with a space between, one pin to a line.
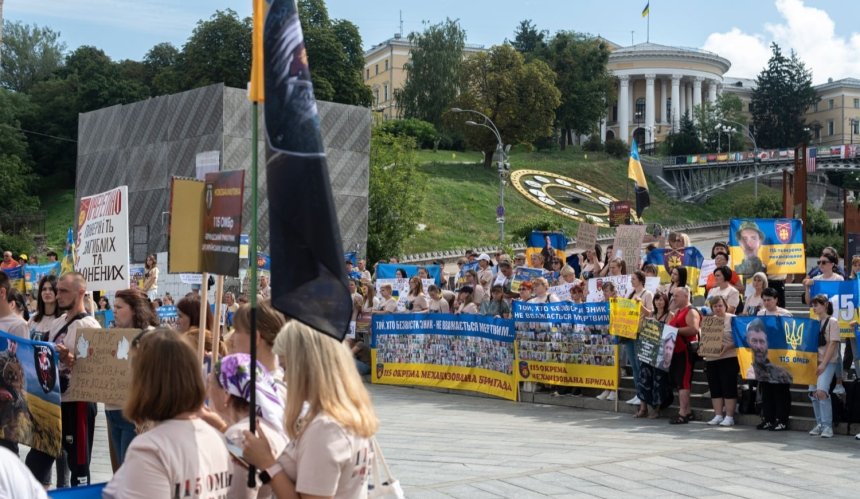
pixel 696 177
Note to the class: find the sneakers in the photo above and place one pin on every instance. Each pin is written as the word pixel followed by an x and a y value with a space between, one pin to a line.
pixel 727 421
pixel 634 401
pixel 764 425
pixel 839 389
pixel 857 436
pixel 827 432
pixel 717 420
pixel 817 431
pixel 779 427
pixel 603 395
pixel 612 396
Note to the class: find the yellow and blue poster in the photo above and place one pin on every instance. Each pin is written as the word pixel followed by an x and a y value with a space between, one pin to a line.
pixel 34 273
pixel 565 344
pixel 548 244
pixel 667 259
pixel 16 278
pixel 461 352
pixel 845 298
pixel 31 388
pixel 777 349
pixel 769 245
pixel 524 274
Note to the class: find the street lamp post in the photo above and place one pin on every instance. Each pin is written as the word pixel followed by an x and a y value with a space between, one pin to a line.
pixel 755 149
pixel 501 161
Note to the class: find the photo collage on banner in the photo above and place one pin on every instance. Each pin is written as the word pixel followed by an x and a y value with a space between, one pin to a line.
pixel 772 246
pixel 565 344
pixel 31 380
pixel 463 352
pixel 777 349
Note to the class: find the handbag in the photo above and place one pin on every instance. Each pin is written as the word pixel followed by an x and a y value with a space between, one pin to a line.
pixel 378 489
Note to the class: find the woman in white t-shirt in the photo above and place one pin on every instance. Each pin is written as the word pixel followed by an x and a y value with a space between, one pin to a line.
pixel 723 287
pixel 827 264
pixel 330 451
pixel 181 455
pixel 47 311
pixel 229 397
pixel 416 301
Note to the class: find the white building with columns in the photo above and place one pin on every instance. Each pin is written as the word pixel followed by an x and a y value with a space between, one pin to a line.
pixel 657 84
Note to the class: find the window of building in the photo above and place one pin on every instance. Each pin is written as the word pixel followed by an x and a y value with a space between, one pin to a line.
pixel 830 104
pixel 386 64
pixel 830 128
pixel 615 113
pixel 855 127
pixel 377 69
pixel 856 103
pixel 385 92
pixel 668 109
pixel 376 96
pixel 640 110
pixel 749 107
pixel 367 74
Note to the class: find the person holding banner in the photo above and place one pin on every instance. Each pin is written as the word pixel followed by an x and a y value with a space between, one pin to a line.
pixel 328 417
pixel 9 320
pixel 827 265
pixel 722 287
pixel 754 302
pixel 167 388
pixel 723 370
pixel 828 364
pixel 416 302
pixel 654 389
pixel 687 321
pixel 388 305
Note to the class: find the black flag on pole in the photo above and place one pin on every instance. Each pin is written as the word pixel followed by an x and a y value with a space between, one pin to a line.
pixel 308 272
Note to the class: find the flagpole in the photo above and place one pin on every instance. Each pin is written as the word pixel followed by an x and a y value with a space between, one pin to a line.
pixel 648 29
pixel 252 284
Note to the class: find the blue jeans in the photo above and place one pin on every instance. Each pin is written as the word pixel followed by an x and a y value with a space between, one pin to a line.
pixel 363 369
pixel 122 432
pixel 629 347
pixel 823 409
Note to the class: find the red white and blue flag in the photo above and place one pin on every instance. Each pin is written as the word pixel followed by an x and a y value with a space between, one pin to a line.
pixel 811 156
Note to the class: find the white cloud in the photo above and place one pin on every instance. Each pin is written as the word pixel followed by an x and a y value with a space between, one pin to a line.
pixel 809 31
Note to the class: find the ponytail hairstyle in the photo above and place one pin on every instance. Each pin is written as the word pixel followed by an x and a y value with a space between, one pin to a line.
pixel 823 300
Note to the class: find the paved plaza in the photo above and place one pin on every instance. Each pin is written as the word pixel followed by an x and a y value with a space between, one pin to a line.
pixel 444 445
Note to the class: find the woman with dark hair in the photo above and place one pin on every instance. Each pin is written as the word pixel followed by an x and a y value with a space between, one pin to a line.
pixel 496 306
pixel 416 300
pixel 189 323
pixel 400 274
pixel 828 366
pixel 18 304
pixel 167 388
pixel 677 279
pixel 131 311
pixel 722 287
pixel 104 303
pixel 150 276
pixel 654 390
pixel 47 311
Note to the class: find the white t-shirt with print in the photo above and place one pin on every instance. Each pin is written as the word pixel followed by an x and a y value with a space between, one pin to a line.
pixel 277 441
pixel 328 461
pixel 176 458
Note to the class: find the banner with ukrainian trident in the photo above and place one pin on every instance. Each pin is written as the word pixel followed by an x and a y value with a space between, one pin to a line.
pixel 667 259
pixel 769 245
pixel 844 297
pixel 565 344
pixel 461 352
pixel 777 349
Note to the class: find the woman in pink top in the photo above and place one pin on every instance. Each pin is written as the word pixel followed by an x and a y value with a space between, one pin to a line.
pixel 328 417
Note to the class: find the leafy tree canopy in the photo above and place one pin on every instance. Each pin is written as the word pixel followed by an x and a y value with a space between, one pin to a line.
pixel 29 54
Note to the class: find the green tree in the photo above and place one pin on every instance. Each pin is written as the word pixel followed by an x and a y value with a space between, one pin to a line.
pixel 28 54
pixel 218 51
pixel 686 141
pixel 782 95
pixel 726 111
pixel 163 69
pixel 528 39
pixel 586 85
pixel 395 195
pixel 433 73
pixel 520 97
pixel 335 55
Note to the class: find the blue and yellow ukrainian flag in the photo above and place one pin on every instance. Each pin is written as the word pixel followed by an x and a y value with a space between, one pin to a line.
pixel 536 242
pixel 666 259
pixel 68 263
pixel 646 10
pixel 792 347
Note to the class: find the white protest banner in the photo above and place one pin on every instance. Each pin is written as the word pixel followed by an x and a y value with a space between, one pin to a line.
pixel 623 286
pixel 102 245
pixel 586 237
pixel 561 290
pixel 400 289
pixel 708 267
pixel 191 278
pixel 628 242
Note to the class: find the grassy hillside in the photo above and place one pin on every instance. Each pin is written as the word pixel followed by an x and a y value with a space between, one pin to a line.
pixel 462 195
pixel 60 207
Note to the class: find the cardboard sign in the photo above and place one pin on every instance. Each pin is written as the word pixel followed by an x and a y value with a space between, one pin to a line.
pixel 102 367
pixel 102 241
pixel 624 317
pixel 586 237
pixel 711 336
pixel 628 242
pixel 186 211
pixel 222 222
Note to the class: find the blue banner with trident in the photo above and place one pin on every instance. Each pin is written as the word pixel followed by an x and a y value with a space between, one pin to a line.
pixel 777 349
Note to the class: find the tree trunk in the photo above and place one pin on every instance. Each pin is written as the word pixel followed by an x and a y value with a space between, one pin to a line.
pixel 562 139
pixel 488 157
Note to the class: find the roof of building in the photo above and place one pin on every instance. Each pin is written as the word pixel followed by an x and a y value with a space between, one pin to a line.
pixel 403 41
pixel 656 50
pixel 842 83
pixel 735 84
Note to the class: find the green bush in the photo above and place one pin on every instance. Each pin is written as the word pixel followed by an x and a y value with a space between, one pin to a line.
pixel 17 243
pixel 817 242
pixel 424 133
pixel 451 141
pixel 593 144
pixel 817 222
pixel 617 148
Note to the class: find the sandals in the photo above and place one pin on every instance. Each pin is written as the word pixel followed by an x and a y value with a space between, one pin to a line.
pixel 679 419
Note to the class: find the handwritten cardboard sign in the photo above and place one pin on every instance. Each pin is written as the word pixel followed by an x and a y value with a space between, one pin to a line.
pixel 586 237
pixel 102 371
pixel 711 336
pixel 624 317
pixel 628 242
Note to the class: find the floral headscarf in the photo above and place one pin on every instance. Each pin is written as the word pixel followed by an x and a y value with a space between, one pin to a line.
pixel 233 373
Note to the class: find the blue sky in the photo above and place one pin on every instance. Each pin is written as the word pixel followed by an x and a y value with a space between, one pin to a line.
pixel 741 31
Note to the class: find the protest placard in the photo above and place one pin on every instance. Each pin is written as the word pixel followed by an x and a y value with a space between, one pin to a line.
pixel 184 252
pixel 708 267
pixel 628 243
pixel 34 273
pixel 623 286
pixel 136 273
pixel 168 316
pixel 16 278
pixel 524 274
pixel 586 237
pixel 562 290
pixel 619 213
pixel 773 246
pixel 222 222
pixel 102 367
pixel 711 336
pixel 624 317
pixel 102 241
pixel 656 343
pixel 777 349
